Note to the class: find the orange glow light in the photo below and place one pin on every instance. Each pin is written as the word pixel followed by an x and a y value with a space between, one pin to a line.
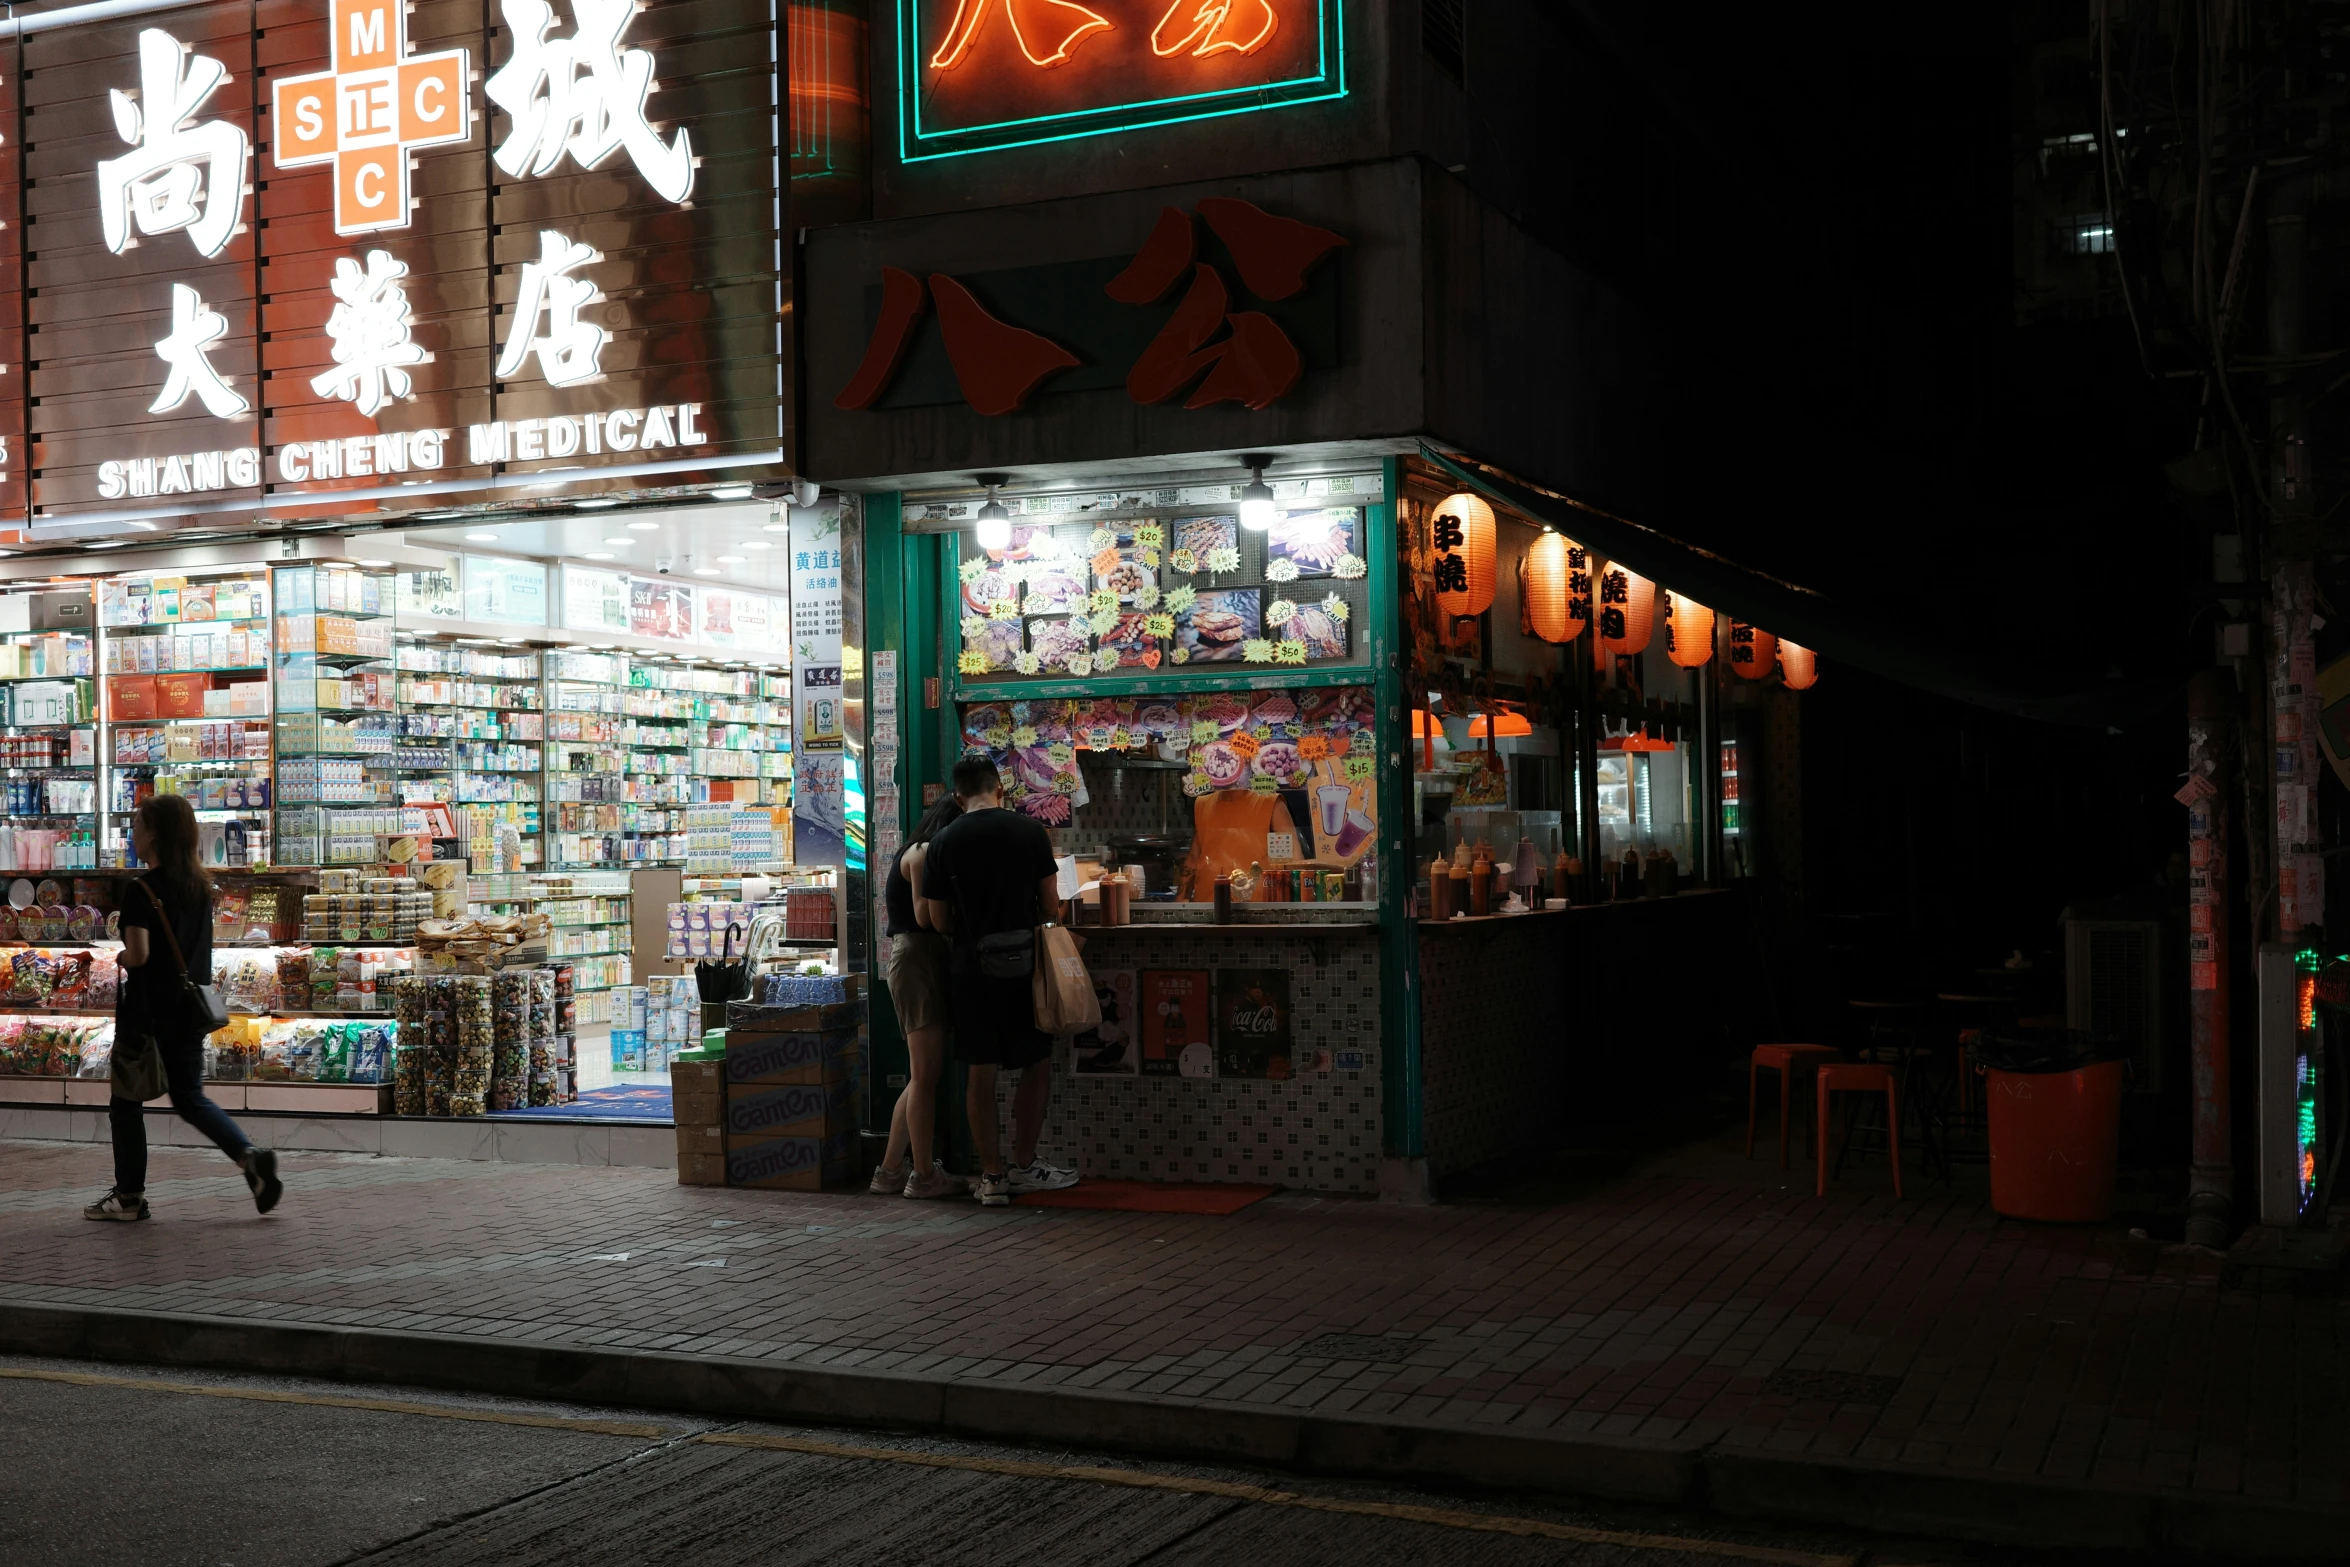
pixel 1060 20
pixel 1800 664
pixel 1510 726
pixel 1463 527
pixel 1217 25
pixel 1689 632
pixel 1627 610
pixel 1557 588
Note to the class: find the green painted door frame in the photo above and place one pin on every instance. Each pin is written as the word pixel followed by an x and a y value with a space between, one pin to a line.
pixel 1403 1134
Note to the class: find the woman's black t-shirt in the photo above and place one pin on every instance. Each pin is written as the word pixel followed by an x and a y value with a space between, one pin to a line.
pixel 897 897
pixel 148 1000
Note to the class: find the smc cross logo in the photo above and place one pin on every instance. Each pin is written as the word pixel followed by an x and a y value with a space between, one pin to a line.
pixel 366 112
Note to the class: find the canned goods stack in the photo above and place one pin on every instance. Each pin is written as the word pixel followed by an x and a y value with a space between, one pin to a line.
pixel 477 1033
pixel 544 1087
pixel 440 1000
pixel 510 1075
pixel 412 1066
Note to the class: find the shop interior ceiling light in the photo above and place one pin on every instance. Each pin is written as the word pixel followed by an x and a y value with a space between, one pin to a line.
pixel 374 564
pixel 594 505
pixel 994 531
pixel 731 492
pixel 483 538
pixel 1256 496
pixel 645 527
pixel 706 571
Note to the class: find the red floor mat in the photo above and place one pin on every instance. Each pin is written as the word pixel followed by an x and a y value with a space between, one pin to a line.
pixel 1150 1197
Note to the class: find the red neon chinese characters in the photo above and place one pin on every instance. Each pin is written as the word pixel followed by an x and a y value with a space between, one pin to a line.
pixel 1205 27
pixel 1164 257
pixel 996 364
pixel 1273 254
pixel 1055 26
pixel 893 334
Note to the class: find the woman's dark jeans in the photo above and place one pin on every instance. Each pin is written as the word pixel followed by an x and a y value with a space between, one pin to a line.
pixel 183 1070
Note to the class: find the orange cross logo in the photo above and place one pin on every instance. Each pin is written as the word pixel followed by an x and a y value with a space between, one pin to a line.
pixel 365 113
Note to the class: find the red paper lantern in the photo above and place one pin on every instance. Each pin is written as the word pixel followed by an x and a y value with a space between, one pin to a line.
pixel 1463 526
pixel 1558 587
pixel 1753 651
pixel 1627 610
pixel 1800 664
pixel 1689 631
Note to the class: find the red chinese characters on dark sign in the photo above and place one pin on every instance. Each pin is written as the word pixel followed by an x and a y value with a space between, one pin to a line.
pixel 1238 356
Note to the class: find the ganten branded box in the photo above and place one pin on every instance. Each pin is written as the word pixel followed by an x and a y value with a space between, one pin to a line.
pixel 763 1110
pixel 804 1164
pixel 789 1057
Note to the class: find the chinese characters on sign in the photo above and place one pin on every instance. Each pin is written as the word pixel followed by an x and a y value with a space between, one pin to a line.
pixel 819 805
pixel 498 319
pixel 1240 356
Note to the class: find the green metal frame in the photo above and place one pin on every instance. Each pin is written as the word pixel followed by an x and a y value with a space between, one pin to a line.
pixel 1403 1130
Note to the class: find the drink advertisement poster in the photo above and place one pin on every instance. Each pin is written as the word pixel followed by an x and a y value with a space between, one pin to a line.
pixel 1252 1023
pixel 1175 1022
pixel 1112 1049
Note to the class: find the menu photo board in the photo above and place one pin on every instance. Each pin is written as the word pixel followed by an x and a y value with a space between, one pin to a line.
pixel 359 255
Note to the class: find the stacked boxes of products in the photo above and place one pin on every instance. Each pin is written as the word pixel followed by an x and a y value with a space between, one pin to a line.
pixel 380 908
pixel 791 1115
pixel 673 1007
pixel 697 1098
pixel 628 1027
pixel 701 930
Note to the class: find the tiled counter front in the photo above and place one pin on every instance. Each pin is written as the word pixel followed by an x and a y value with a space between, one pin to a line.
pixel 1318 1130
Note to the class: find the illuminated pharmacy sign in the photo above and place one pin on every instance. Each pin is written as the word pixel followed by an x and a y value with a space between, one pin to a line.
pixel 981 75
pixel 376 256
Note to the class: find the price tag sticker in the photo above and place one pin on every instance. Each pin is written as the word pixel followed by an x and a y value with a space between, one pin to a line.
pixel 1244 745
pixel 1359 769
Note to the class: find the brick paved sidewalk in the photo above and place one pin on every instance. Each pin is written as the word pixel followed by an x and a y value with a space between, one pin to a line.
pixel 1722 1308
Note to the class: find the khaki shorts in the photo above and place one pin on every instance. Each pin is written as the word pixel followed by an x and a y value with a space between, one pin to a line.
pixel 918 980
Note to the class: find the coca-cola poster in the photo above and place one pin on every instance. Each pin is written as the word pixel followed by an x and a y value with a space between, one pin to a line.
pixel 1252 1023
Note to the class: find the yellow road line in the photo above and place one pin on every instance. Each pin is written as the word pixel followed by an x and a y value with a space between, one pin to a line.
pixel 389 1406
pixel 1484 1523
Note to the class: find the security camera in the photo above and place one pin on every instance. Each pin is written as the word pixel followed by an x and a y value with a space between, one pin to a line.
pixel 804 492
pixel 662 566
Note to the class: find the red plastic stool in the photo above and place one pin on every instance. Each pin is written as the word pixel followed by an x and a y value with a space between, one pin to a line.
pixel 1783 1060
pixel 1860 1077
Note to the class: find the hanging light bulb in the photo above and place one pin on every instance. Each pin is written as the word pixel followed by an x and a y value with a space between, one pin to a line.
pixel 995 524
pixel 1256 496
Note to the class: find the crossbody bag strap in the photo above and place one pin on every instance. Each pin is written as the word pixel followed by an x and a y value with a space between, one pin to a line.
pixel 164 919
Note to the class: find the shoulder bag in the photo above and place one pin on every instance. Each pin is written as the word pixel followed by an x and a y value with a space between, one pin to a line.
pixel 199 1005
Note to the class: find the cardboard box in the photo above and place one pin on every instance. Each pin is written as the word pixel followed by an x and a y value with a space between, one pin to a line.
pixel 697 1092
pixel 794 1057
pixel 756 1017
pixel 181 695
pixel 701 1155
pixel 792 1164
pixel 756 1111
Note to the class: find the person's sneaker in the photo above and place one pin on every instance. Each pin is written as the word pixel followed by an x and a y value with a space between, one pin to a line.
pixel 993 1191
pixel 115 1206
pixel 261 1178
pixel 1042 1177
pixel 886 1180
pixel 933 1182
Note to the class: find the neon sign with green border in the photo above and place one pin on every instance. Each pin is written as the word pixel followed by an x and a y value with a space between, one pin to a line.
pixel 987 75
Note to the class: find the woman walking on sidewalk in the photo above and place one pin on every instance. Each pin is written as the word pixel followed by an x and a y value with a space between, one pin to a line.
pixel 167 932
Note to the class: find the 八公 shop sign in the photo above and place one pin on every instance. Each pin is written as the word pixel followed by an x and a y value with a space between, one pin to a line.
pixel 366 254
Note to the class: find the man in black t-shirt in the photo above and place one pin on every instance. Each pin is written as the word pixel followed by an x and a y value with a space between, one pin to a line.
pixel 991 872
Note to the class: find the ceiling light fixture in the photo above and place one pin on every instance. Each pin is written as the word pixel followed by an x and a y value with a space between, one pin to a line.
pixel 731 492
pixel 594 505
pixel 1256 497
pixel 995 523
pixel 375 564
pixel 706 571
pixel 645 527
pixel 482 538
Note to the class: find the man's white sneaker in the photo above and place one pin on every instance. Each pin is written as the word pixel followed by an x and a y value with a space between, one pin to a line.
pixel 887 1180
pixel 993 1191
pixel 1042 1177
pixel 115 1206
pixel 933 1182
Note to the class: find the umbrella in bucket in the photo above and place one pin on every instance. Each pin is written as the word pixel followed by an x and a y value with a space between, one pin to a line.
pixel 723 978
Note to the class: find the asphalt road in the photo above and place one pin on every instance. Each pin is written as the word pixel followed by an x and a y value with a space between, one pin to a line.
pixel 107 1464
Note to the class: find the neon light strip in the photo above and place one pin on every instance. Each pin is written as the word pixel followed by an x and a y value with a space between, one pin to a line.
pixel 55 525
pixel 1110 117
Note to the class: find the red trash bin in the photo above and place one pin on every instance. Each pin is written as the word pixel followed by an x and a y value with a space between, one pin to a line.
pixel 2055 1141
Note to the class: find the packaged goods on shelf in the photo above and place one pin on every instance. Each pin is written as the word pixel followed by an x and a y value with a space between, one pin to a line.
pixel 43 1046
pixel 303 1050
pixel 390 909
pixel 698 929
pixel 412 1066
pixel 480 945
pixel 510 1050
pixel 73 980
pixel 476 1017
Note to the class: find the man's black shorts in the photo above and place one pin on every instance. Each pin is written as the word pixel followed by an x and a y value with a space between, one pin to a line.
pixel 995 1022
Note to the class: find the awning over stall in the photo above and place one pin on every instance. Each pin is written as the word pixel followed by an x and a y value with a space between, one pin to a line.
pixel 1874 637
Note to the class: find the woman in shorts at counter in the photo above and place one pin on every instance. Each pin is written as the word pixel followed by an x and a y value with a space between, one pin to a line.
pixel 918 989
